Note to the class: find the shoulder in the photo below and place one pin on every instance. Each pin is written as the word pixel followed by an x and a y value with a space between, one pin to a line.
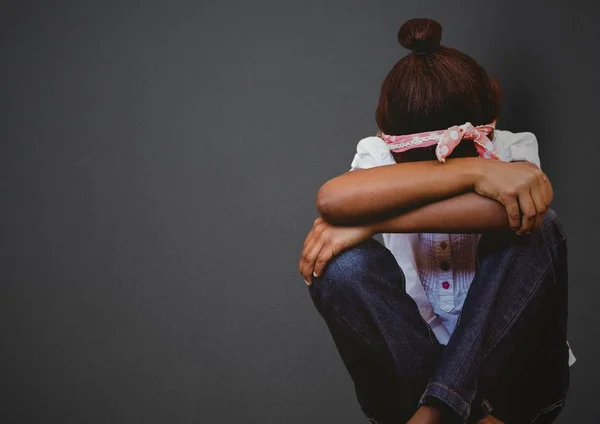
pixel 516 146
pixel 371 152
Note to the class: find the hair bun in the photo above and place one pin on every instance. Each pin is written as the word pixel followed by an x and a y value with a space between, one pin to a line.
pixel 421 35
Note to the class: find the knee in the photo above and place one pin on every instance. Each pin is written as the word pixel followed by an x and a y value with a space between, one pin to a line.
pixel 547 244
pixel 546 238
pixel 555 241
pixel 538 252
pixel 355 260
pixel 545 249
pixel 349 271
pixel 552 230
pixel 549 240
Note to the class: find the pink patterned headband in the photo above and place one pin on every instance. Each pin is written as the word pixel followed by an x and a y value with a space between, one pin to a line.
pixel 446 140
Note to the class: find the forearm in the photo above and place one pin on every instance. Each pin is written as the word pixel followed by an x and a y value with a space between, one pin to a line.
pixel 466 213
pixel 358 197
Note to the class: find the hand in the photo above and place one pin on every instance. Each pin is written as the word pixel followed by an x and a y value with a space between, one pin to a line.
pixel 521 187
pixel 324 241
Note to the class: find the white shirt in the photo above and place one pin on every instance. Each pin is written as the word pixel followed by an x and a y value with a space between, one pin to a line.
pixel 439 268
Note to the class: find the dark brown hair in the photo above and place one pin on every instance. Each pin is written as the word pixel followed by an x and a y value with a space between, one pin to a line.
pixel 434 87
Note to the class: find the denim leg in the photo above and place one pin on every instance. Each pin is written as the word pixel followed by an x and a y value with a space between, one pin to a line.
pixel 513 325
pixel 387 347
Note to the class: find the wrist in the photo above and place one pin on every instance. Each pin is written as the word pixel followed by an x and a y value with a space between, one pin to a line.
pixel 473 172
pixel 371 229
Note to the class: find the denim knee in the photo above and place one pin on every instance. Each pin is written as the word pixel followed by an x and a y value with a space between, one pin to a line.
pixel 547 237
pixel 550 241
pixel 349 270
pixel 552 230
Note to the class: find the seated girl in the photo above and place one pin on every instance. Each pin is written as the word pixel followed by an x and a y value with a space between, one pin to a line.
pixel 462 316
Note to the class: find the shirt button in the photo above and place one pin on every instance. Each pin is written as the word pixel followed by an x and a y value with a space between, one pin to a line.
pixel 446 285
pixel 445 266
pixel 443 245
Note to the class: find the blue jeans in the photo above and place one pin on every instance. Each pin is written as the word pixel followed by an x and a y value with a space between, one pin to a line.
pixel 508 353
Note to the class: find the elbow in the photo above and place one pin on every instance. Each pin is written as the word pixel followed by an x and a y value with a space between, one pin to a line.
pixel 325 203
pixel 328 204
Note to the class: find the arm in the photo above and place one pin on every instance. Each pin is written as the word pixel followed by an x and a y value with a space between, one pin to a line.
pixel 372 195
pixel 466 213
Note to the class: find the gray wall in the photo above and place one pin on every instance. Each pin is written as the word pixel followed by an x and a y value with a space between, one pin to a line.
pixel 158 166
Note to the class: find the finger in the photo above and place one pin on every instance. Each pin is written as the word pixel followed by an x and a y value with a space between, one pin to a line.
pixel 317 228
pixel 305 258
pixel 309 257
pixel 539 199
pixel 543 185
pixel 308 238
pixel 323 258
pixel 307 241
pixel 318 220
pixel 512 211
pixel 547 190
pixel 528 212
pixel 537 195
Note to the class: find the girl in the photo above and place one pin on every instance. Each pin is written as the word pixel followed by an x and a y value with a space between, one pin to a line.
pixel 457 318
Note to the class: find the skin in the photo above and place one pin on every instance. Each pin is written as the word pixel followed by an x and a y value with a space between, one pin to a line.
pixel 463 195
pixel 363 196
pixel 427 415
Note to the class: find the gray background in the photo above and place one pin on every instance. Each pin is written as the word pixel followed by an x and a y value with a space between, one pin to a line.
pixel 158 167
